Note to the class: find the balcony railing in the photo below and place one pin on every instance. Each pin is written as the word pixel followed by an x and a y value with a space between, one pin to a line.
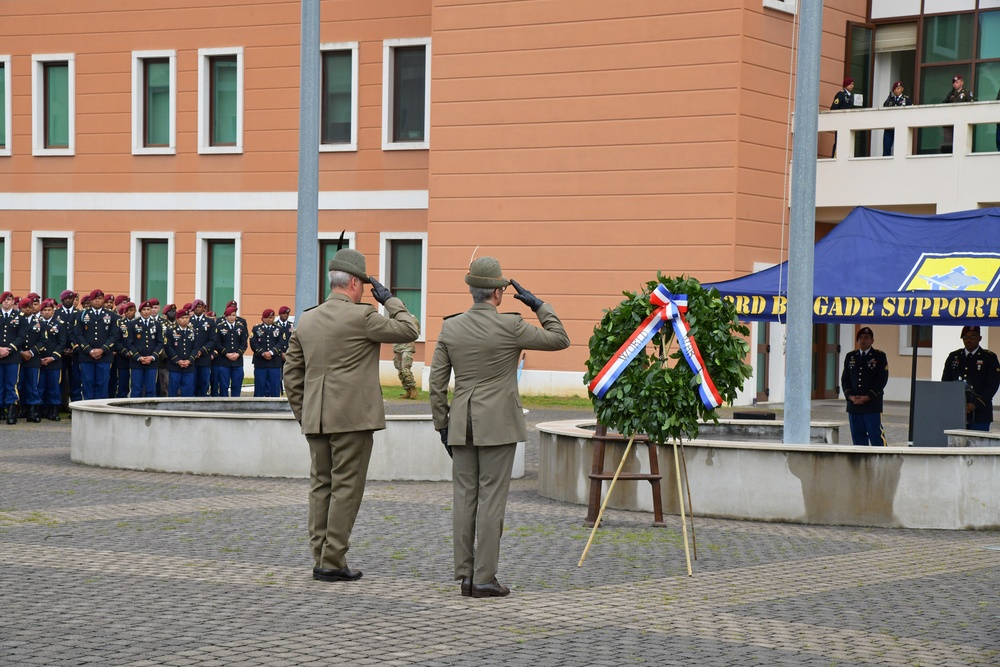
pixel 944 156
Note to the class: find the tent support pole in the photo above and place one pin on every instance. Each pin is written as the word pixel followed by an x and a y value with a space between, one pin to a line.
pixel 913 378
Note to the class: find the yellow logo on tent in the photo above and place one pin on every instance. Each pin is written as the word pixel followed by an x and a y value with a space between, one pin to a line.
pixel 965 273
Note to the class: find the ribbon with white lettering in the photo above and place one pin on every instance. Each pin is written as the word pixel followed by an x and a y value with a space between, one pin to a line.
pixel 669 307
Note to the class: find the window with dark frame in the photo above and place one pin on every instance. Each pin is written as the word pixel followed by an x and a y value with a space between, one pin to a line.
pixel 327 249
pixel 154 270
pixel 406 273
pixel 223 100
pixel 409 90
pixel 156 102
pixel 55 114
pixel 336 111
pixel 3 105
pixel 55 256
pixel 221 273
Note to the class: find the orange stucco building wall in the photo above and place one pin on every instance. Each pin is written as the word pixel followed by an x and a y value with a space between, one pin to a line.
pixel 585 143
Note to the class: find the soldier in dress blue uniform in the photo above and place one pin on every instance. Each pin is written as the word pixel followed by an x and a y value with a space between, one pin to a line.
pixel 72 388
pixel 285 324
pixel 122 372
pixel 181 348
pixel 205 328
pixel 52 352
pixel 167 320
pixel 11 340
pixel 31 360
pixel 896 99
pixel 267 342
pixel 843 100
pixel 96 333
pixel 231 343
pixel 980 370
pixel 866 372
pixel 144 345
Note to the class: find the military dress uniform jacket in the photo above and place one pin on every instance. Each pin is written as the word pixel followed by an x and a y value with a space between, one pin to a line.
pixel 267 338
pixel 93 330
pixel 230 340
pixel 865 375
pixel 205 341
pixel 898 101
pixel 33 341
pixel 331 366
pixel 12 335
pixel 842 100
pixel 179 345
pixel 144 339
pixel 981 370
pixel 53 342
pixel 483 347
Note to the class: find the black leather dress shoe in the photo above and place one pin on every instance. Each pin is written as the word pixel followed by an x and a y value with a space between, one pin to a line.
pixel 490 590
pixel 336 574
pixel 466 586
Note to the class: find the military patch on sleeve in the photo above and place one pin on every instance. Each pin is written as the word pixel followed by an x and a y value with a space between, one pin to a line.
pixel 448 317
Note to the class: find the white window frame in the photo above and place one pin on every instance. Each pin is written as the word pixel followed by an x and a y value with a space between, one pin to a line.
pixel 38 103
pixel 388 56
pixel 138 103
pixel 905 348
pixel 135 263
pixel 383 269
pixel 787 6
pixel 353 145
pixel 201 262
pixel 8 116
pixel 5 236
pixel 37 240
pixel 204 117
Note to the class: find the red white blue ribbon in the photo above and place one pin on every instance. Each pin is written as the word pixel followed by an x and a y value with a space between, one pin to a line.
pixel 669 307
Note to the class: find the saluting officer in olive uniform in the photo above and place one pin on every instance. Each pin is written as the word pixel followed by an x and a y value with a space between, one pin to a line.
pixel 866 372
pixel 180 345
pixel 144 348
pixel 231 342
pixel 484 422
pixel 980 370
pixel 332 381
pixel 268 342
pixel 96 333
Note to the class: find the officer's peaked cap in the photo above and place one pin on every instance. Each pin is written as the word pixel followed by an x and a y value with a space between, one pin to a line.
pixel 349 261
pixel 485 272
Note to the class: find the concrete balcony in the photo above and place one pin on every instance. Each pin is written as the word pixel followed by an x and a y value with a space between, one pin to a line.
pixel 907 180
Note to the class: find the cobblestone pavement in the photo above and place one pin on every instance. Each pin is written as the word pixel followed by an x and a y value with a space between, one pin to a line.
pixel 113 567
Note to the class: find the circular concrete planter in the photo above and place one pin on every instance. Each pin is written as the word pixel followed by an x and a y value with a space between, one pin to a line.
pixel 248 437
pixel 905 487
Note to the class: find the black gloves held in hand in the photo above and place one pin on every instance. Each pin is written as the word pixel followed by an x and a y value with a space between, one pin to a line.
pixel 444 441
pixel 379 291
pixel 526 297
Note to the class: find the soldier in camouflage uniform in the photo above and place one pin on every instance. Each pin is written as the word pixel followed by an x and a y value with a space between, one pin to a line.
pixel 402 359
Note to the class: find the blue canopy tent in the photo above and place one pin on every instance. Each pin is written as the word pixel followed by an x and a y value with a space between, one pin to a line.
pixel 878 267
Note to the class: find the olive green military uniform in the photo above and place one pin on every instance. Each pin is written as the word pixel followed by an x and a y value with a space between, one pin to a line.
pixel 485 421
pixel 332 383
pixel 402 359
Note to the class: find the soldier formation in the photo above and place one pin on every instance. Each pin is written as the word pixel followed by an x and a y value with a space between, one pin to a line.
pixel 102 346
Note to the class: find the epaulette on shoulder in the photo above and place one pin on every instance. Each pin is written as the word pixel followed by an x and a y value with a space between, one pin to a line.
pixel 451 316
pixel 310 308
pixel 518 314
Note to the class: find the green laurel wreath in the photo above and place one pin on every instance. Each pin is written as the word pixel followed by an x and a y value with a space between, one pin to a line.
pixel 658 395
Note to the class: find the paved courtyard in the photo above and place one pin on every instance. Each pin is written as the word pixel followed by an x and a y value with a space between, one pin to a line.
pixel 113 567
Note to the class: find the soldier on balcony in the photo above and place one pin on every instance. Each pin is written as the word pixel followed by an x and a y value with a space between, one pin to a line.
pixel 958 94
pixel 843 100
pixel 896 99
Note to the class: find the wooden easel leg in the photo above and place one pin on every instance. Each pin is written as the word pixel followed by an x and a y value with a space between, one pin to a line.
pixel 654 469
pixel 597 467
pixel 680 500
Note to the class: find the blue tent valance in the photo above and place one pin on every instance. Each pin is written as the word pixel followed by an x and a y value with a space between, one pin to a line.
pixel 878 267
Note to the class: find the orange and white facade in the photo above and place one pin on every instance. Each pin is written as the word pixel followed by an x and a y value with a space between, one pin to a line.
pixel 587 144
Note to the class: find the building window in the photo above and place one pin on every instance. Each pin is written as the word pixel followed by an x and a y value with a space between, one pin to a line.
pixel 51 262
pixel 327 249
pixel 781 5
pixel 154 85
pixel 217 268
pixel 406 94
pixel 4 261
pixel 924 337
pixel 220 101
pixel 151 273
pixel 5 115
pixel 404 270
pixel 53 106
pixel 339 97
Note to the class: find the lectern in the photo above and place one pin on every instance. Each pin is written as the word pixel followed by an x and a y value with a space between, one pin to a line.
pixel 937 406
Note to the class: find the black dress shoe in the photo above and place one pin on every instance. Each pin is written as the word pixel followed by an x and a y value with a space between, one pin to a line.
pixel 466 586
pixel 490 590
pixel 336 574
